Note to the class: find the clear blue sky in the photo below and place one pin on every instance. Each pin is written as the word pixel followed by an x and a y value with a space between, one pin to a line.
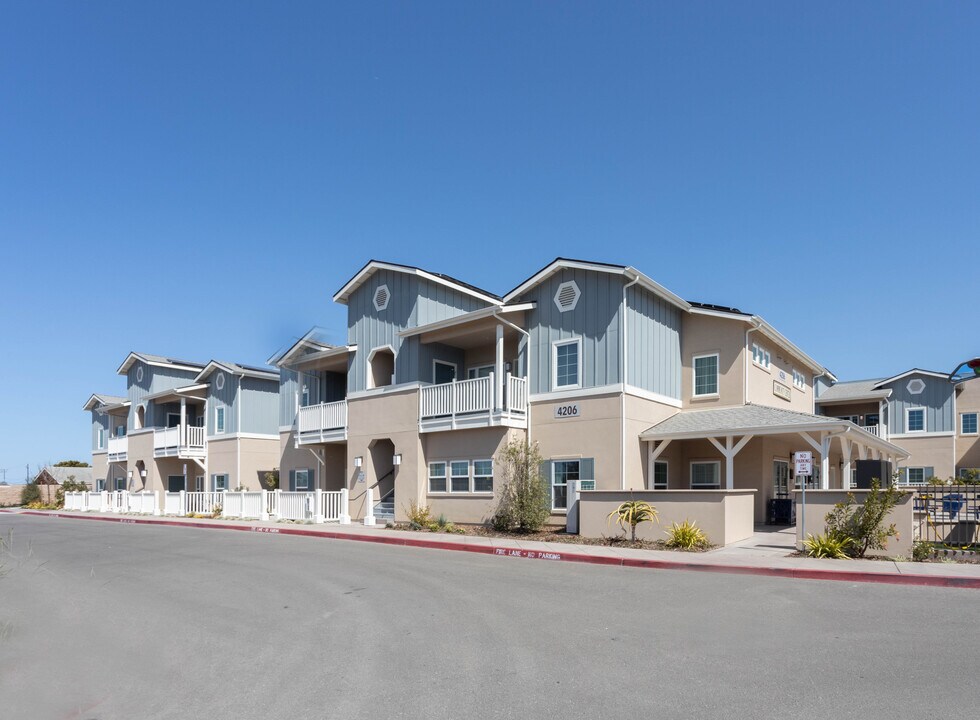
pixel 196 179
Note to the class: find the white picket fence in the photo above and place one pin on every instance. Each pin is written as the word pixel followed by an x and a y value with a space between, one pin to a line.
pixel 317 506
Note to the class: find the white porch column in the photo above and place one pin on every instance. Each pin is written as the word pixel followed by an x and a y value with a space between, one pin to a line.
pixel 369 511
pixel 156 502
pixel 845 446
pixel 183 422
pixel 729 451
pixel 264 510
pixel 498 374
pixel 825 462
pixel 571 517
pixel 183 502
pixel 318 506
pixel 344 506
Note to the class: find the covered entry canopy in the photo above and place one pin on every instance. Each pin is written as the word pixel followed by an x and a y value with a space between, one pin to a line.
pixel 730 429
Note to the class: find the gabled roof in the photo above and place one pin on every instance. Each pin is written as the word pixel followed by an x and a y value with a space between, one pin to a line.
pixel 309 341
pixel 158 361
pixel 236 369
pixel 96 400
pixel 373 266
pixel 853 391
pixel 756 420
pixel 61 474
pixel 913 371
pixel 765 328
pixel 631 273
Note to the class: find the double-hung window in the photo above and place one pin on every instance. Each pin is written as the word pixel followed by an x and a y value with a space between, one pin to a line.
pixel 437 477
pixel 220 482
pixel 567 364
pixel 219 420
pixel 799 381
pixel 459 476
pixel 915 420
pixel 968 423
pixel 483 476
pixel 705 375
pixel 760 356
pixel 562 472
pixel 301 479
pixel 705 475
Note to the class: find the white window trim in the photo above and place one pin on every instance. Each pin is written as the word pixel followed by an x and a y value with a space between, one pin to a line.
pixel 694 375
pixel 716 463
pixel 173 414
pixel 910 410
pixel 370 370
pixel 444 476
pixel 473 476
pixel 908 481
pixel 220 430
pixel 757 349
pixel 653 476
pixel 476 368
pixel 199 483
pixel 799 380
pixel 214 482
pixel 977 416
pixel 554 363
pixel 101 439
pixel 453 365
pixel 450 476
pixel 554 462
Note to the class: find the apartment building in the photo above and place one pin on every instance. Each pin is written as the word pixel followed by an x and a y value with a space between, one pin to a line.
pixel 931 416
pixel 186 426
pixel 621 383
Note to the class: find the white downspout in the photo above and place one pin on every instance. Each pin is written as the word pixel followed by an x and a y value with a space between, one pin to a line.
pixel 238 443
pixel 622 396
pixel 745 361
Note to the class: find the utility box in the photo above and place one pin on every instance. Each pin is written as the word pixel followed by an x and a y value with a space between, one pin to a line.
pixel 868 470
pixel 780 511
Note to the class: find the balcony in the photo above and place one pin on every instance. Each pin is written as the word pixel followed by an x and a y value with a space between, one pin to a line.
pixel 118 449
pixel 326 422
pixel 181 441
pixel 875 430
pixel 473 403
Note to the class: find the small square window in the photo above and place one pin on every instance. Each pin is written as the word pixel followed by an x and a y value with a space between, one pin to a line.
pixel 302 479
pixel 567 365
pixel 437 477
pixel 915 420
pixel 706 375
pixel 220 482
pixel 705 474
pixel 916 475
pixel 968 424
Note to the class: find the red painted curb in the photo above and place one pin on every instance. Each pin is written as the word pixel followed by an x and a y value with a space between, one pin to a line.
pixel 972 583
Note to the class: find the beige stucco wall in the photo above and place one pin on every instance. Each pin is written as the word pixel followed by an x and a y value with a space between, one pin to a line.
pixel 140 449
pixel 936 452
pixel 967 446
pixel 703 335
pixel 330 475
pixel 821 502
pixel 781 366
pixel 258 456
pixel 99 467
pixel 726 516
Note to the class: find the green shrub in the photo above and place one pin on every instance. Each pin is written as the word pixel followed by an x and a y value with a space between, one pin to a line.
pixel 524 503
pixel 921 551
pixel 827 546
pixel 69 485
pixel 686 536
pixel 419 515
pixel 442 521
pixel 632 513
pixel 30 494
pixel 864 526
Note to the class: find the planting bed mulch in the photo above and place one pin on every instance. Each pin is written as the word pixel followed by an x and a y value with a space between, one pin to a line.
pixel 557 535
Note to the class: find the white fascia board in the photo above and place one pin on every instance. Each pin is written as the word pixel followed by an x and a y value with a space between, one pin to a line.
pixel 913 371
pixel 879 395
pixel 776 336
pixel 128 363
pixel 658 289
pixel 468 317
pixel 369 269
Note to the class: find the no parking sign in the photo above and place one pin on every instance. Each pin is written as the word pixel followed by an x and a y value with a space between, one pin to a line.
pixel 804 462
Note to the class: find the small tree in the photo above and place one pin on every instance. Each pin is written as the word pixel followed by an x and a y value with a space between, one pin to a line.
pixel 632 513
pixel 271 479
pixel 864 527
pixel 524 504
pixel 69 485
pixel 30 494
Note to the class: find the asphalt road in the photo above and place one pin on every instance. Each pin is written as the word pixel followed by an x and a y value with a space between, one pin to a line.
pixel 105 620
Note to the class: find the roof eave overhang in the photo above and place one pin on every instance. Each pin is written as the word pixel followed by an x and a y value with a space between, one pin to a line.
pixel 342 295
pixel 879 395
pixel 133 357
pixel 331 353
pixel 469 317
pixel 913 371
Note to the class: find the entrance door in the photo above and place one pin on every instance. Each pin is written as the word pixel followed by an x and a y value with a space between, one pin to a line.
pixel 443 372
pixel 780 478
pixel 175 483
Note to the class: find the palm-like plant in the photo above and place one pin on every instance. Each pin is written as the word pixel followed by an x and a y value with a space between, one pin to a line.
pixel 632 513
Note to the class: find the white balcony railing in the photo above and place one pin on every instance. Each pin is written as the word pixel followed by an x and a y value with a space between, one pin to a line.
pixel 118 448
pixel 474 398
pixel 323 417
pixel 188 441
pixel 873 429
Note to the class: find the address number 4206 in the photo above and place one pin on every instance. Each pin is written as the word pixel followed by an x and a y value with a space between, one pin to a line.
pixel 566 411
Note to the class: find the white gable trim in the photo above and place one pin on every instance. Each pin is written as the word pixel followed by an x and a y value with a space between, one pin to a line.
pixel 355 282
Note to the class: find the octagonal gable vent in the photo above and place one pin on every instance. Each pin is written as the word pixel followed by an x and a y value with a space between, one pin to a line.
pixel 916 386
pixel 567 296
pixel 381 297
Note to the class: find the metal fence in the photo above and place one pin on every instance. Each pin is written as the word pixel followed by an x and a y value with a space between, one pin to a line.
pixel 948 515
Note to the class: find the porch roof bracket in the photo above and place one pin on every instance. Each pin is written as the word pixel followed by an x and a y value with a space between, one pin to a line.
pixel 657 451
pixel 729 451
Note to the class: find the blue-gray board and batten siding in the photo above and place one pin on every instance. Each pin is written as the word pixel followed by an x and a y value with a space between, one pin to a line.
pixel 100 421
pixel 414 301
pixel 155 379
pixel 653 333
pixel 259 400
pixel 936 398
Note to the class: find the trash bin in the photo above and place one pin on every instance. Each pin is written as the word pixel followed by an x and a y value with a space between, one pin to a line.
pixel 780 511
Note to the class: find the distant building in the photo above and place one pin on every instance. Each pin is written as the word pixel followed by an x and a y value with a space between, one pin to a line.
pixel 51 475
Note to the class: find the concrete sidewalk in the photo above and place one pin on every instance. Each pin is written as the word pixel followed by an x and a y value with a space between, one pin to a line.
pixel 767 553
